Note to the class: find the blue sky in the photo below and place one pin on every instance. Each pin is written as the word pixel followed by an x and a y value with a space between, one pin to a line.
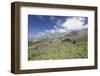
pixel 41 24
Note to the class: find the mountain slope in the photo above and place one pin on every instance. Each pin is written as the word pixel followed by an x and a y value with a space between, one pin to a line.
pixel 59 46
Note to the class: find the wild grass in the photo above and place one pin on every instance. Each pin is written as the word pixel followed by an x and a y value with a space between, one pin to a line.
pixel 58 50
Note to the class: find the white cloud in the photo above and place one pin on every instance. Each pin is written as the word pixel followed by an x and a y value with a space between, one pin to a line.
pixel 52 31
pixel 40 34
pixel 61 30
pixel 73 23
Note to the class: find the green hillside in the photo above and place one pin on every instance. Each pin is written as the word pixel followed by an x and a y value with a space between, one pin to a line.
pixel 56 46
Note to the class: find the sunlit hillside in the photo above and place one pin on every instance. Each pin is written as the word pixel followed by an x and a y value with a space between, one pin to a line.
pixel 59 46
